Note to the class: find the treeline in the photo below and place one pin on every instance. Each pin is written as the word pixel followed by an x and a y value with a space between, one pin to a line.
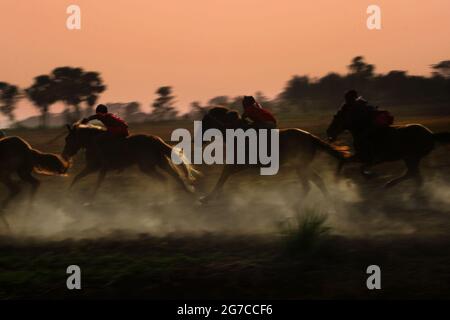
pixel 79 91
pixel 304 94
pixel 393 88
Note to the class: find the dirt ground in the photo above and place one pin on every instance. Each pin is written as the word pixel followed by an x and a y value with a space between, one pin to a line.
pixel 137 239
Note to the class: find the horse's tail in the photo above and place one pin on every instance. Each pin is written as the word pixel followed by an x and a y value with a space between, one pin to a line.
pixel 174 155
pixel 338 152
pixel 48 163
pixel 442 137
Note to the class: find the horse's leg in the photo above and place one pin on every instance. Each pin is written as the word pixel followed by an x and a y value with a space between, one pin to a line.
pixel 412 172
pixel 227 171
pixel 343 162
pixel 14 190
pixel 340 166
pixel 172 172
pixel 26 176
pixel 100 179
pixel 318 181
pixel 303 175
pixel 86 171
pixel 306 186
pixel 153 173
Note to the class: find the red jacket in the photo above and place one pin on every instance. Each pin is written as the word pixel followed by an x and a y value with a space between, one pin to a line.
pixel 113 123
pixel 258 114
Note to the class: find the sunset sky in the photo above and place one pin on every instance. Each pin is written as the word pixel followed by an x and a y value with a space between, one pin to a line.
pixel 205 48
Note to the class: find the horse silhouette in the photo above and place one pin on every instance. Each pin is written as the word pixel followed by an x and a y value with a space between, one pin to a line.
pixel 17 156
pixel 410 143
pixel 149 152
pixel 297 149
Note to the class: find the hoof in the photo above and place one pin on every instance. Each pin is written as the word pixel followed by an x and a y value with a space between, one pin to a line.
pixel 191 189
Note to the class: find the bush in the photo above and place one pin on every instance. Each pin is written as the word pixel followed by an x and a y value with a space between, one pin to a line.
pixel 305 233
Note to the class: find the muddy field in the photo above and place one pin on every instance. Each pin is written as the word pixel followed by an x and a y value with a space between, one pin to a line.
pixel 137 240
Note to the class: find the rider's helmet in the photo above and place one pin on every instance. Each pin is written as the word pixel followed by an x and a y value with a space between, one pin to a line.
pixel 248 101
pixel 351 96
pixel 101 108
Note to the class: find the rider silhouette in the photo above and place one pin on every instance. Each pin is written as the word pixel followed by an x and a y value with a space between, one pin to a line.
pixel 261 118
pixel 362 116
pixel 115 126
pixel 116 130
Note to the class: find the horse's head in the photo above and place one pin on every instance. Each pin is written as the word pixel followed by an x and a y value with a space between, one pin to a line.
pixel 79 136
pixel 339 124
pixel 73 142
pixel 50 164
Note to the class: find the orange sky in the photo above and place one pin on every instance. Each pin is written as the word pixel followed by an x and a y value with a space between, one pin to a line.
pixel 205 48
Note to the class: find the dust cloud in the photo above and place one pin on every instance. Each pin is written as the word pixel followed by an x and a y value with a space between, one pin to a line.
pixel 130 203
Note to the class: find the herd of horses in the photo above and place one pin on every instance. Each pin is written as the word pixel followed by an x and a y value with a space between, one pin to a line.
pixel 297 150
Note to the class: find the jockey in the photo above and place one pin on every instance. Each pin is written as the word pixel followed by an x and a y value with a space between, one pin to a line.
pixel 360 111
pixel 368 121
pixel 115 126
pixel 253 111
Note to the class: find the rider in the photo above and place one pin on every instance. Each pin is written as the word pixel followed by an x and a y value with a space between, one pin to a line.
pixel 116 130
pixel 115 126
pixel 261 118
pixel 365 120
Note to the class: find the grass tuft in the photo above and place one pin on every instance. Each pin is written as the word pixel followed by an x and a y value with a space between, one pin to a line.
pixel 305 232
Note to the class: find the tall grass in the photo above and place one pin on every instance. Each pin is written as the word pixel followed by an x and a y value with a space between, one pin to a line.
pixel 305 232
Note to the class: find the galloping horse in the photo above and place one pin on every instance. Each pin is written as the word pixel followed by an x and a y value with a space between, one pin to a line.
pixel 297 149
pixel 147 151
pixel 409 143
pixel 17 156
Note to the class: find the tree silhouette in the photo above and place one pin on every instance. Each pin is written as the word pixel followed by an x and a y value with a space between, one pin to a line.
pixel 296 92
pixel 91 101
pixel 163 106
pixel 72 86
pixel 360 69
pixel 131 109
pixel 91 88
pixel 196 112
pixel 219 101
pixel 442 68
pixel 43 94
pixel 75 86
pixel 9 95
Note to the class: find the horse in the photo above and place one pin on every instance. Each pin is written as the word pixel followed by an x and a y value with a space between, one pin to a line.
pixel 17 156
pixel 149 152
pixel 410 143
pixel 297 149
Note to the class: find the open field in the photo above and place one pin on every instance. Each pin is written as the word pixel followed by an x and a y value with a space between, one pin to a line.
pixel 136 240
